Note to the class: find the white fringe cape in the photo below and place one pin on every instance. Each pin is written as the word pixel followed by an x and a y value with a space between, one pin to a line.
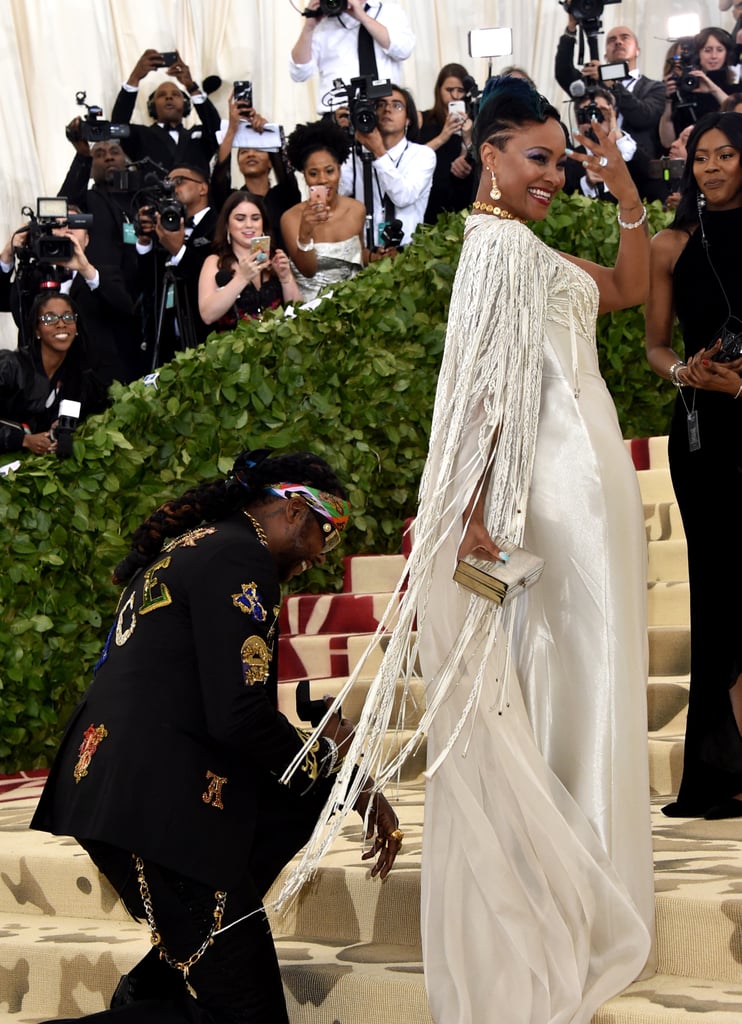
pixel 485 417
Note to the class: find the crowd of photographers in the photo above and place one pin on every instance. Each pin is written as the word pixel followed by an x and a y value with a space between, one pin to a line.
pixel 154 247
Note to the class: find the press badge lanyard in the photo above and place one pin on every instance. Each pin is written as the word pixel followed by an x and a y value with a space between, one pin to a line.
pixel 382 195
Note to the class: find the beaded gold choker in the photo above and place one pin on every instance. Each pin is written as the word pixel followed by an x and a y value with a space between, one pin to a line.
pixel 496 211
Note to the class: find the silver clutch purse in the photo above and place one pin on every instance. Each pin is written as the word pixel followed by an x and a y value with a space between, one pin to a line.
pixel 500 581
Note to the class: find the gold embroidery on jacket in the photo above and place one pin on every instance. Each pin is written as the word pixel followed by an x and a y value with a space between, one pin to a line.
pixel 151 598
pixel 213 794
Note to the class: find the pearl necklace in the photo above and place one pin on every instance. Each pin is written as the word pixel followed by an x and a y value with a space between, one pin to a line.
pixel 257 527
pixel 496 211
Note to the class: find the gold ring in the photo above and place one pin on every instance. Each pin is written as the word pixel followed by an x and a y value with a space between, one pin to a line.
pixel 398 835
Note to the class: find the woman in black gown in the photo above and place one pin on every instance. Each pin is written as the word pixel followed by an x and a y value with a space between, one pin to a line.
pixel 695 276
pixel 449 134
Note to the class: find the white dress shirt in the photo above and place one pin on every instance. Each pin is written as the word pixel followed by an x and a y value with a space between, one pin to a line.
pixel 404 173
pixel 335 51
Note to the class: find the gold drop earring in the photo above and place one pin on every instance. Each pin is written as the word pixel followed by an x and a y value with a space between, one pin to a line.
pixel 495 192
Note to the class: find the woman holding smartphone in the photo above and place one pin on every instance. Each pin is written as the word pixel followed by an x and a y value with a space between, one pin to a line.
pixel 446 128
pixel 244 275
pixel 324 234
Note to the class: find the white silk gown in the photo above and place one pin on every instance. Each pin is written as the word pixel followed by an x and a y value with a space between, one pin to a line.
pixel 537 892
pixel 537 896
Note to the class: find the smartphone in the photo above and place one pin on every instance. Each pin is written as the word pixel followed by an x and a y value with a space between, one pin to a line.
pixel 261 246
pixel 458 107
pixel 169 58
pixel 318 194
pixel 242 92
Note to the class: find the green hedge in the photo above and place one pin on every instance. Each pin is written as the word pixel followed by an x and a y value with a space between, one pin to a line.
pixel 353 380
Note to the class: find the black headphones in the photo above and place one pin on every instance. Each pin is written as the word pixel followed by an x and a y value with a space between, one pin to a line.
pixel 151 104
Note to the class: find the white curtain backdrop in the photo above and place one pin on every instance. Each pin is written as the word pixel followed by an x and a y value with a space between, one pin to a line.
pixel 51 50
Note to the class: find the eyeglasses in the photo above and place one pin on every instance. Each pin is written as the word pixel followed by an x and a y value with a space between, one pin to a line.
pixel 54 318
pixel 180 178
pixel 397 105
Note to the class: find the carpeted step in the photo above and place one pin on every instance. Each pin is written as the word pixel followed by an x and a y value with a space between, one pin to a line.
pixel 667 703
pixel 668 603
pixel 65 966
pixel 312 614
pixel 353 702
pixel 668 560
pixel 318 656
pixel 372 574
pixel 668 999
pixel 669 650
pixel 665 765
pixel 655 485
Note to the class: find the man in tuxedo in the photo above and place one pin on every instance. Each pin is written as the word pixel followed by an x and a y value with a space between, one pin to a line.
pixel 167 142
pixel 170 263
pixel 112 236
pixel 640 101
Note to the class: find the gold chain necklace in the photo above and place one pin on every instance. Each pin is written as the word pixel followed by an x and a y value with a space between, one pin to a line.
pixel 496 211
pixel 257 527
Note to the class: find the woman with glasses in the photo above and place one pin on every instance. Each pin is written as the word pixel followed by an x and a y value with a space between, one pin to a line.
pixel 34 380
pixel 447 130
pixel 246 274
pixel 324 234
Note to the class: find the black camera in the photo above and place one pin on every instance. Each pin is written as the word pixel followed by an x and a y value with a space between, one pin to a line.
pixel 92 128
pixel 731 344
pixel 61 432
pixel 328 8
pixel 586 114
pixel 157 196
pixel 362 93
pixel 391 233
pixel 683 63
pixel 586 10
pixel 42 246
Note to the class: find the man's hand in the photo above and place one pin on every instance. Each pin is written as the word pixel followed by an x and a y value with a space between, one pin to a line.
pixel 73 132
pixel 356 9
pixel 150 60
pixel 182 72
pixel 590 70
pixel 384 822
pixel 372 141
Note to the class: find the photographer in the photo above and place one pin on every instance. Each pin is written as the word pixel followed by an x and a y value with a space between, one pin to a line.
pixel 402 171
pixel 172 250
pixel 639 100
pixel 112 236
pixel 255 165
pixel 698 78
pixel 355 42
pixel 167 142
pixel 98 291
pixel 599 105
pixel 56 365
pixel 447 132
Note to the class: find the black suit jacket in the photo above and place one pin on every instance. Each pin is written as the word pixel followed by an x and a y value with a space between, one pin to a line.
pixel 195 145
pixel 641 107
pixel 153 270
pixel 183 734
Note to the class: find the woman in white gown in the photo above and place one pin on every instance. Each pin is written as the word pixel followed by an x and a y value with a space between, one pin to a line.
pixel 537 894
pixel 324 235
